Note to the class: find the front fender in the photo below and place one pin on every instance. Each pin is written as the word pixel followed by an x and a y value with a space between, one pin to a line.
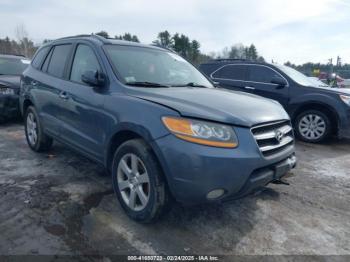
pixel 321 99
pixel 137 116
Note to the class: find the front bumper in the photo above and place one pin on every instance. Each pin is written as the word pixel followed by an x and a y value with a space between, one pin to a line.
pixel 9 106
pixel 194 170
pixel 344 125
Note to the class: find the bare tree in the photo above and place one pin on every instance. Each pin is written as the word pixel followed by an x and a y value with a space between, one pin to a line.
pixel 23 40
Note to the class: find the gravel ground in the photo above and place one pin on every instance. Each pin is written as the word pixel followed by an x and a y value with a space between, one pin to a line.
pixel 59 203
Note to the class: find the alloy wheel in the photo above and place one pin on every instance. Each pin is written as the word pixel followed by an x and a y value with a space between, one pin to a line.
pixel 312 126
pixel 133 182
pixel 32 130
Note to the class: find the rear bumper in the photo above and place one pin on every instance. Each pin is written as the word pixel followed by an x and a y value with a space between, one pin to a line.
pixel 9 106
pixel 194 170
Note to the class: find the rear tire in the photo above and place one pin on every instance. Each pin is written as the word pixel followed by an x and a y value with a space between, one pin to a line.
pixel 313 126
pixel 139 183
pixel 37 140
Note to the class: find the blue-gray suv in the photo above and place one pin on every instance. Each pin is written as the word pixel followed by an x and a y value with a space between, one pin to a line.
pixel 156 123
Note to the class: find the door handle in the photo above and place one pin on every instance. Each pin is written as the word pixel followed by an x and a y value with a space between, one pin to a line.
pixel 249 87
pixel 63 95
pixel 34 83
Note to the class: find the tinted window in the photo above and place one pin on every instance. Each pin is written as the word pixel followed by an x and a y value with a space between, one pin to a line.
pixel 207 68
pixel 12 65
pixel 39 57
pixel 261 74
pixel 84 60
pixel 47 60
pixel 234 72
pixel 58 60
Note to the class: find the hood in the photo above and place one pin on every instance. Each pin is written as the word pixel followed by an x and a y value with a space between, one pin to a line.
pixel 333 89
pixel 215 104
pixel 10 80
pixel 341 90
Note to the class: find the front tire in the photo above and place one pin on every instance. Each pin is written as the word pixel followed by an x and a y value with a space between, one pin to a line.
pixel 37 140
pixel 138 182
pixel 313 126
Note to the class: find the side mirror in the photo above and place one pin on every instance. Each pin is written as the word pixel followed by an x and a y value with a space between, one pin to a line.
pixel 281 82
pixel 93 78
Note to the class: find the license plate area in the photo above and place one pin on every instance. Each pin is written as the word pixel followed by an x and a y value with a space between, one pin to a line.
pixel 281 169
pixel 6 91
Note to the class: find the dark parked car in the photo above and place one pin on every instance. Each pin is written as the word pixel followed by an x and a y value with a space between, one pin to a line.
pixel 155 122
pixel 11 68
pixel 317 112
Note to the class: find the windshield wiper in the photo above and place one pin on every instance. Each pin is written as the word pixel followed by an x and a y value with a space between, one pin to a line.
pixel 145 84
pixel 192 84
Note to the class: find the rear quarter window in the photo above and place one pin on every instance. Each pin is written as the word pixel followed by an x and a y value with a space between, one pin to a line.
pixel 39 57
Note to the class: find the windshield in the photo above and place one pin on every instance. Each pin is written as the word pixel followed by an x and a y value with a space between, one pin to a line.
pixel 153 67
pixel 318 82
pixel 296 75
pixel 12 66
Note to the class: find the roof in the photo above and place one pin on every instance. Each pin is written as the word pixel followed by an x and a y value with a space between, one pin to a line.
pixel 233 61
pixel 102 40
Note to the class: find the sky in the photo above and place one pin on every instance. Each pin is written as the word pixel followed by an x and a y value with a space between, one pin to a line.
pixel 283 30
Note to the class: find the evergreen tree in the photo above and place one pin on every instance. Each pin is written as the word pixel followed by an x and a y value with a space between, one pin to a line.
pixel 252 53
pixel 164 39
pixel 195 52
pixel 103 34
pixel 128 37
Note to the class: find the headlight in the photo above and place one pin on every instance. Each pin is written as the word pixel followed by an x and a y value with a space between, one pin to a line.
pixel 6 91
pixel 201 132
pixel 346 99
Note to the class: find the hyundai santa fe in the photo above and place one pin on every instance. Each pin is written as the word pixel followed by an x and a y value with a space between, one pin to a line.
pixel 156 123
pixel 317 110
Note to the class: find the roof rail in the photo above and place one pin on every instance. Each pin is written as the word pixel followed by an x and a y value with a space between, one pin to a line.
pixel 230 59
pixel 101 38
pixel 74 36
pixel 164 47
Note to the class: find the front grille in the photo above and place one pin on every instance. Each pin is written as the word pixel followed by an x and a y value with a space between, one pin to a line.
pixel 273 138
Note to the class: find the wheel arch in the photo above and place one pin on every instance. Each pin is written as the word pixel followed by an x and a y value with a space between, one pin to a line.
pixel 27 102
pixel 115 141
pixel 324 108
pixel 124 134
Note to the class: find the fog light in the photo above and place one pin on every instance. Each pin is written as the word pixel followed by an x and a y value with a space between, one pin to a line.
pixel 215 194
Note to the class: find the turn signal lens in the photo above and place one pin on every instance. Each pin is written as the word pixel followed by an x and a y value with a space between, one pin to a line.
pixel 202 132
pixel 346 99
pixel 178 125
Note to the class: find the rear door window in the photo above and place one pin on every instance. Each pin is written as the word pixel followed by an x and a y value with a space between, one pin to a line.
pixel 84 60
pixel 231 72
pixel 262 74
pixel 58 60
